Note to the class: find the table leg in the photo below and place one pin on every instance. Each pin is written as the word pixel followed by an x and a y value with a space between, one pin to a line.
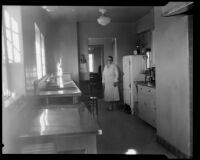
pixel 85 142
pixel 47 100
pixel 75 99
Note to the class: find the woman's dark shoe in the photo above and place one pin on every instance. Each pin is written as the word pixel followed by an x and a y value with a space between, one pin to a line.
pixel 110 108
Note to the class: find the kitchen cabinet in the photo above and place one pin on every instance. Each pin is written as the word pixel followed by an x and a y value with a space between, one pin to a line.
pixel 146 104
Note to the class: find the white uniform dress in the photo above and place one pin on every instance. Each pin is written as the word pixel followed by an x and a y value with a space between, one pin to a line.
pixel 110 75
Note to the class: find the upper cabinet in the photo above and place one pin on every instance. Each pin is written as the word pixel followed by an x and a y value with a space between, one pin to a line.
pixel 144 39
pixel 144 33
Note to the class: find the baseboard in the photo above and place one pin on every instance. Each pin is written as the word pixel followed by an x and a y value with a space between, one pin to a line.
pixel 171 148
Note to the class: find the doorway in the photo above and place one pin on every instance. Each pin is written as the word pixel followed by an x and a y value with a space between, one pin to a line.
pixel 96 63
pixel 98 51
pixel 96 55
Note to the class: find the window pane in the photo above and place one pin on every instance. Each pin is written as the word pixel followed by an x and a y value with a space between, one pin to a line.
pixel 10 52
pixel 7 19
pixel 17 56
pixel 148 59
pixel 90 62
pixel 14 25
pixel 38 52
pixel 43 56
pixel 16 40
pixel 3 49
pixel 37 46
pixel 39 67
pixel 8 34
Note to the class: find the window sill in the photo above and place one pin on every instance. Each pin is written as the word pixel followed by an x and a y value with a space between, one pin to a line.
pixel 8 102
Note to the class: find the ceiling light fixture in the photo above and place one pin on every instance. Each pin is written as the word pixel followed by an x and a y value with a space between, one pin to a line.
pixel 102 20
pixel 50 8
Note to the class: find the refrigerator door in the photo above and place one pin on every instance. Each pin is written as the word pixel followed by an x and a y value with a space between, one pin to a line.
pixel 126 80
pixel 137 65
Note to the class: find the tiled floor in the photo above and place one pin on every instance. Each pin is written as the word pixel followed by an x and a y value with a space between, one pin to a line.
pixel 122 131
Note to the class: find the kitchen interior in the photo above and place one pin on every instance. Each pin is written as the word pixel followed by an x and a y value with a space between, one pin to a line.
pixel 153 49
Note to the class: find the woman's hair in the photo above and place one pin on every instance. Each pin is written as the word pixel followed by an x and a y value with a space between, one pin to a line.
pixel 110 57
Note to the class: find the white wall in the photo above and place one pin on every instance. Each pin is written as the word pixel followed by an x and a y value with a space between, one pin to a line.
pixel 30 15
pixel 172 80
pixel 146 22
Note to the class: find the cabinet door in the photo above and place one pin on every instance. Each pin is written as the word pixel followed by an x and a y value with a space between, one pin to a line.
pixel 144 108
pixel 146 104
pixel 152 110
pixel 141 109
pixel 148 91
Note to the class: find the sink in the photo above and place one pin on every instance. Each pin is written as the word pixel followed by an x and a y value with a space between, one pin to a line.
pixel 149 84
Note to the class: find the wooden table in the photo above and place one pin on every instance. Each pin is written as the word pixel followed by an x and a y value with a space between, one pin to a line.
pixel 70 128
pixel 67 89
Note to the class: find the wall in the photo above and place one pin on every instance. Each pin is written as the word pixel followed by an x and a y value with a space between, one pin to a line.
pixel 146 22
pixel 172 80
pixel 63 44
pixel 30 15
pixel 191 76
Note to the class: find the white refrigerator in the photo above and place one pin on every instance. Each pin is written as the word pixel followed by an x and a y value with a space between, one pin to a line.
pixel 133 65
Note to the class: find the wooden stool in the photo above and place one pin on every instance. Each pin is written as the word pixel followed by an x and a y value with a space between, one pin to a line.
pixel 93 102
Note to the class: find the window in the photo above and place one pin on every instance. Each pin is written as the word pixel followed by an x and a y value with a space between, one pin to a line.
pixel 6 92
pixel 12 39
pixel 43 56
pixel 91 62
pixel 11 51
pixel 148 60
pixel 40 52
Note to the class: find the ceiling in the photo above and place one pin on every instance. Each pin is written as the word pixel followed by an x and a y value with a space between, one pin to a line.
pixel 91 13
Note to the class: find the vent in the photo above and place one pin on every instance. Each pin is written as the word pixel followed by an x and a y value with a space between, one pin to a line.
pixel 177 8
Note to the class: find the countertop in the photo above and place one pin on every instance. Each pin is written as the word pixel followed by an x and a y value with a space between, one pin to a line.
pixel 69 88
pixel 74 120
pixel 147 84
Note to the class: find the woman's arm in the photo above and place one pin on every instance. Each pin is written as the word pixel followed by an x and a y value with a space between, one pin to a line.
pixel 116 74
pixel 103 76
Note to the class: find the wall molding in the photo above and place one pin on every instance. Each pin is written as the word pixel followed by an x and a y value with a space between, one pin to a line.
pixel 171 148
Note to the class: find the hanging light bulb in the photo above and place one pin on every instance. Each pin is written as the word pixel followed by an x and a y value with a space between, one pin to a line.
pixel 102 20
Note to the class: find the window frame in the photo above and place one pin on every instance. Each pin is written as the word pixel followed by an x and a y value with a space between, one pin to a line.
pixel 40 52
pixel 11 40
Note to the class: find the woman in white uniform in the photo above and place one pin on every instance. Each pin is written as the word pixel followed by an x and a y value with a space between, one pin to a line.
pixel 110 82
